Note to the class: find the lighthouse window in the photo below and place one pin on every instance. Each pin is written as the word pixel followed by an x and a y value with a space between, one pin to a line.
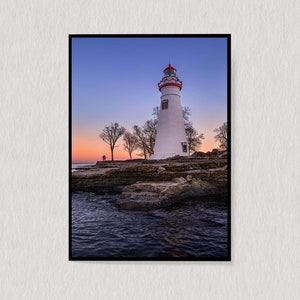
pixel 184 147
pixel 164 104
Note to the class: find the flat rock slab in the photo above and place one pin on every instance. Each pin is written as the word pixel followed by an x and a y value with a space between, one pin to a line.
pixel 153 195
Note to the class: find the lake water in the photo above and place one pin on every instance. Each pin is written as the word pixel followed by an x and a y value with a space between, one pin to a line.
pixel 78 166
pixel 195 229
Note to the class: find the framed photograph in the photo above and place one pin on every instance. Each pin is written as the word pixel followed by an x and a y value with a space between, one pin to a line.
pixel 149 147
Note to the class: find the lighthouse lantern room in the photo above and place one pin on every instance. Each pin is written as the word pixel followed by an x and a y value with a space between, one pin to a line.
pixel 171 137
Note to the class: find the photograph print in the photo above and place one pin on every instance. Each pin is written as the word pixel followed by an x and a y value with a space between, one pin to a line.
pixel 149 147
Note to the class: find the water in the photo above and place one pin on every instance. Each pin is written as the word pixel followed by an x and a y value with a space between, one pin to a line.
pixel 195 229
pixel 81 166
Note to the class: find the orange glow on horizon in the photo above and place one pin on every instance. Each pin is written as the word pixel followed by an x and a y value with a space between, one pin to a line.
pixel 87 147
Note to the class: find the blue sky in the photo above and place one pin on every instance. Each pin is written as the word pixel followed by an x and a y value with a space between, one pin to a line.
pixel 115 79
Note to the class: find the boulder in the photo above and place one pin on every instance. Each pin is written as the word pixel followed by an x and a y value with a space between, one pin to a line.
pixel 153 195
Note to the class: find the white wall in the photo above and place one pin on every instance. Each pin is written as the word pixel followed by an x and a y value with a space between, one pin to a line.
pixel 34 151
pixel 170 130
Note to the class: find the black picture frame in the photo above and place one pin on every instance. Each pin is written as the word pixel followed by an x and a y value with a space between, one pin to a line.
pixel 108 258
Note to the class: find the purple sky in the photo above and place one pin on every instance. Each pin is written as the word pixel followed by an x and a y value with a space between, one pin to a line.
pixel 115 79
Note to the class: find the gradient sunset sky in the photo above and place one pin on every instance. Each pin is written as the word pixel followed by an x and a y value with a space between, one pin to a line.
pixel 114 79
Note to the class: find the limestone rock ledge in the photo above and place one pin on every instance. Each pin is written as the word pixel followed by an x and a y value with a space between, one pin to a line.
pixel 153 195
pixel 113 177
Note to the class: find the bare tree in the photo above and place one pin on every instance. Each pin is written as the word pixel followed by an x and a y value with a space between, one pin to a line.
pixel 146 134
pixel 149 130
pixel 110 135
pixel 186 112
pixel 194 139
pixel 141 140
pixel 130 143
pixel 221 136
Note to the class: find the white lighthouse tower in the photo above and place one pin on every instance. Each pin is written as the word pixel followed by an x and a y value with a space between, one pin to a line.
pixel 171 137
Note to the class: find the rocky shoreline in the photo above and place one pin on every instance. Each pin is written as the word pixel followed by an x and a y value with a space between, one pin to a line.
pixel 148 184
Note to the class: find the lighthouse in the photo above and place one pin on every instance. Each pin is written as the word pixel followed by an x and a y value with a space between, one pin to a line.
pixel 171 137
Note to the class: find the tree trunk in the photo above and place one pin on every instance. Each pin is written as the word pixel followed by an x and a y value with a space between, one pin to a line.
pixel 112 154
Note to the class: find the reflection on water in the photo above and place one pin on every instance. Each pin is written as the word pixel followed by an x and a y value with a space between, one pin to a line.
pixel 195 229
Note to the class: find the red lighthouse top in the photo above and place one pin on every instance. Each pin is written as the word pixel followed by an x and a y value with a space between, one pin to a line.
pixel 170 67
pixel 170 78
